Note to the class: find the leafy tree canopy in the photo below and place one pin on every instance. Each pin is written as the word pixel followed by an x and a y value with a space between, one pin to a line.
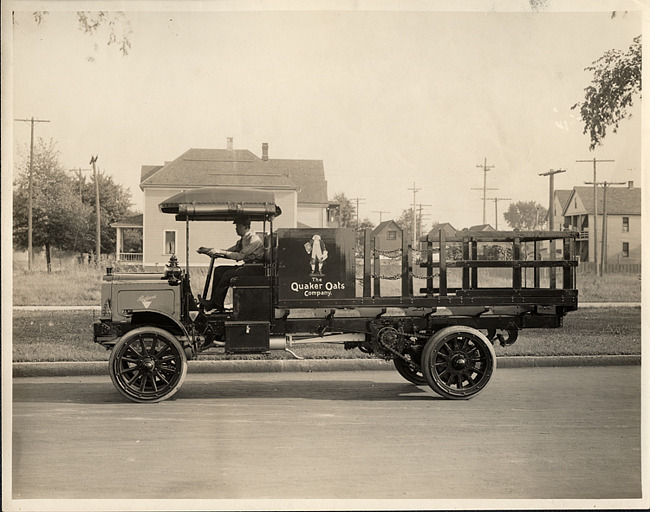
pixel 525 215
pixel 61 217
pixel 346 214
pixel 405 222
pixel 113 27
pixel 616 82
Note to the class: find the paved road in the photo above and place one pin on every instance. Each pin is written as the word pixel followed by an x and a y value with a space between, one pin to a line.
pixel 534 433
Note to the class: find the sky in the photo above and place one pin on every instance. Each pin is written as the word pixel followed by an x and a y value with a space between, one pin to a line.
pixel 390 96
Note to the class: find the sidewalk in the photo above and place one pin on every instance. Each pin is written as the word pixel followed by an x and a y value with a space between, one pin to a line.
pixel 69 369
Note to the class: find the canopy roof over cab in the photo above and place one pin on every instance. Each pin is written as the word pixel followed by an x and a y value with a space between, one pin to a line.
pixel 222 203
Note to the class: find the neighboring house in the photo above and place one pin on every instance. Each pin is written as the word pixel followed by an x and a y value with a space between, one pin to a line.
pixel 482 227
pixel 434 234
pixel 560 200
pixel 388 236
pixel 130 223
pixel 299 185
pixel 623 226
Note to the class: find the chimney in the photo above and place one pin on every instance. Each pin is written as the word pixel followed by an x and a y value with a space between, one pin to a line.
pixel 630 184
pixel 265 151
pixel 229 143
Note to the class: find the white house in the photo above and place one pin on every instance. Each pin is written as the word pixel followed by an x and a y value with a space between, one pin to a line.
pixel 623 227
pixel 299 185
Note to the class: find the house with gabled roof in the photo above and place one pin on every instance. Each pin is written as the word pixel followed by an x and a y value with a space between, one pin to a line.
pixel 481 227
pixel 299 185
pixel 387 236
pixel 622 208
pixel 560 200
pixel 434 234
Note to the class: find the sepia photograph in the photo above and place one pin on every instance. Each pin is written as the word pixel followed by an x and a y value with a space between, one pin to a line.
pixel 324 255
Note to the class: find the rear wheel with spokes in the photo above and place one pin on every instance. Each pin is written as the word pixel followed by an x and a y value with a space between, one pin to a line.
pixel 458 362
pixel 148 365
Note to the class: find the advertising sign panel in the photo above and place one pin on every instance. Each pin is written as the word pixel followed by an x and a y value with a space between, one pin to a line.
pixel 316 263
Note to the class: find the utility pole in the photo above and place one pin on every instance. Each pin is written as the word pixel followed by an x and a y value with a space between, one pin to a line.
pixel 485 199
pixel 551 218
pixel 98 240
pixel 30 248
pixel 496 211
pixel 595 229
pixel 551 191
pixel 603 254
pixel 358 200
pixel 485 168
pixel 415 191
pixel 421 216
pixel 380 212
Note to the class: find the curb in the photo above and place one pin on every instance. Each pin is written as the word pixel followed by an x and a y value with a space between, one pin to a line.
pixel 73 369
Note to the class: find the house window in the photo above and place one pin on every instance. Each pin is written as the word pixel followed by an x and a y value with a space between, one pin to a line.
pixel 626 250
pixel 626 224
pixel 169 239
pixel 575 203
pixel 391 235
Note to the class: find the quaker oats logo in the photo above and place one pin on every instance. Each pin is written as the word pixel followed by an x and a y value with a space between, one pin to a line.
pixel 146 300
pixel 317 252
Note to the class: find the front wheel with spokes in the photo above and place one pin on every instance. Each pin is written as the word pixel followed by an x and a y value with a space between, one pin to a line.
pixel 148 365
pixel 458 362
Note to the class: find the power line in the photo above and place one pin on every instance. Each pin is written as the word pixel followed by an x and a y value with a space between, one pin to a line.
pixel 380 212
pixel 421 215
pixel 30 248
pixel 98 241
pixel 485 168
pixel 551 190
pixel 551 217
pixel 415 191
pixel 595 230
pixel 496 214
pixel 359 200
pixel 604 184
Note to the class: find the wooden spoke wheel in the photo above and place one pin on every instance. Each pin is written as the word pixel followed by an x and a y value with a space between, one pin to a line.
pixel 148 365
pixel 410 371
pixel 458 362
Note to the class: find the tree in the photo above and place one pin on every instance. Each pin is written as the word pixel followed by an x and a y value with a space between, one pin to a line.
pixel 346 213
pixel 405 222
pixel 616 82
pixel 114 203
pixel 525 215
pixel 364 224
pixel 59 217
pixel 114 27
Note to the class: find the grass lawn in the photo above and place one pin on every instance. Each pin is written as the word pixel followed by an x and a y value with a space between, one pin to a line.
pixel 67 336
pixel 80 286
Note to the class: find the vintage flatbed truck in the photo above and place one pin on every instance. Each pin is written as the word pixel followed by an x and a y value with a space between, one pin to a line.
pixel 442 336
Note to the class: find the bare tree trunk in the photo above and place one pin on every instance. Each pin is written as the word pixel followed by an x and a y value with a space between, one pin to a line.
pixel 48 257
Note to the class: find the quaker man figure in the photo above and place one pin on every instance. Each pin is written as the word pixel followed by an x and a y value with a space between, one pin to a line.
pixel 249 249
pixel 318 253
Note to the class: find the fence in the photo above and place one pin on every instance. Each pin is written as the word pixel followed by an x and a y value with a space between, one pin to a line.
pixel 616 268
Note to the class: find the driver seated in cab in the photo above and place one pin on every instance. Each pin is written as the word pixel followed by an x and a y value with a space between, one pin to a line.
pixel 249 249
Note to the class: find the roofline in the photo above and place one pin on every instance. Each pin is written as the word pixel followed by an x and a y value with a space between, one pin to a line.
pixel 263 187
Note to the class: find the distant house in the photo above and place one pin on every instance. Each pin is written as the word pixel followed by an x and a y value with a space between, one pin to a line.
pixel 299 185
pixel 434 234
pixel 481 227
pixel 560 200
pixel 623 226
pixel 130 223
pixel 388 236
